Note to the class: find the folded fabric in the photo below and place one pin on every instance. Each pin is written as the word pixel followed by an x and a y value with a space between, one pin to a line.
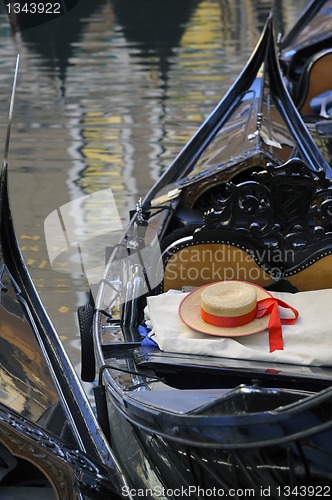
pixel 147 335
pixel 307 342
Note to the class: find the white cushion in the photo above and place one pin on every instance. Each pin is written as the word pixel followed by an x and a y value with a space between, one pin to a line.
pixel 307 342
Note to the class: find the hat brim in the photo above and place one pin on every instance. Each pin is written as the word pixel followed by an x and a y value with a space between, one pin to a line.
pixel 189 312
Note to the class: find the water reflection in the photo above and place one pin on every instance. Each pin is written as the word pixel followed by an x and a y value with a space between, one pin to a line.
pixel 55 41
pixel 107 101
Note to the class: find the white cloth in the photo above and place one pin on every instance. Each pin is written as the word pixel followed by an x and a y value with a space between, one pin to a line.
pixel 307 342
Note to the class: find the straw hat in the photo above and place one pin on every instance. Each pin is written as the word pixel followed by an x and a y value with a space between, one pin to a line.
pixel 225 309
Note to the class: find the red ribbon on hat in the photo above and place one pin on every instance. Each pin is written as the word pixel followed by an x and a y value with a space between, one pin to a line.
pixel 264 307
pixel 270 305
pixel 229 321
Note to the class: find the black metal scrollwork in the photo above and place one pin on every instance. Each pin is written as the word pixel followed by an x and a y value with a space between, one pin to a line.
pixel 286 208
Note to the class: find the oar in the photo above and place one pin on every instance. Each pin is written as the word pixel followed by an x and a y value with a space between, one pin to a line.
pixel 10 116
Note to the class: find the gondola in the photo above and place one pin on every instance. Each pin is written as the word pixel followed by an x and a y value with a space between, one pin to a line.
pixel 188 413
pixel 305 59
pixel 305 52
pixel 51 444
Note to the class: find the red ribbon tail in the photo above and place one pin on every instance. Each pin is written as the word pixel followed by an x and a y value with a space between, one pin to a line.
pixel 270 305
pixel 275 330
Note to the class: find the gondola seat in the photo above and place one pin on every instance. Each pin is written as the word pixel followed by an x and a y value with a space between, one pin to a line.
pixel 191 264
pixel 284 240
pixel 316 80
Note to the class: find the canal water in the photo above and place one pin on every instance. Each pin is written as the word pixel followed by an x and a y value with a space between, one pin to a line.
pixel 107 95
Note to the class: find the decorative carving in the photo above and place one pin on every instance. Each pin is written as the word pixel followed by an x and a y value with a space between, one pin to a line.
pixel 69 470
pixel 286 210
